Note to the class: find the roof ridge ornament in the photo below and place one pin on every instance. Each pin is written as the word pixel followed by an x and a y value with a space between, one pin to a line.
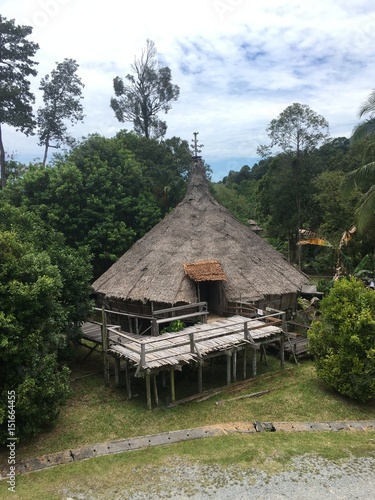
pixel 195 147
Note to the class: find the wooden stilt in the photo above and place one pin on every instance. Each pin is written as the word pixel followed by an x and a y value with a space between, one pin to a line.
pixel 148 390
pixel 156 396
pixel 173 393
pixel 105 346
pixel 127 378
pixel 200 376
pixel 244 362
pixel 117 371
pixel 254 362
pixel 282 350
pixel 234 366
pixel 229 360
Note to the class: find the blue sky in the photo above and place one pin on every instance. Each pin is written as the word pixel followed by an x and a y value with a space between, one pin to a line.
pixel 238 64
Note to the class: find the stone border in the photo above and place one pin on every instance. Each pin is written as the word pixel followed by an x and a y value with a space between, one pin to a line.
pixel 165 438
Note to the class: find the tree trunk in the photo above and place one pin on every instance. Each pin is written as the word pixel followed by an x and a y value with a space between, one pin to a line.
pixel 2 161
pixel 45 154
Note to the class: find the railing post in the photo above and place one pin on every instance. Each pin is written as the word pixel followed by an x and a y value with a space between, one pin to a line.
pixel 154 328
pixel 143 355
pixel 192 349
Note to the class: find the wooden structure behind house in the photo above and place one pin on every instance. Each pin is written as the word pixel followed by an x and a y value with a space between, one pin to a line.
pixel 199 253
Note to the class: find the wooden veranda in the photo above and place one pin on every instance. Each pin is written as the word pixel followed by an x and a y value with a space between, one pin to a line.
pixel 147 356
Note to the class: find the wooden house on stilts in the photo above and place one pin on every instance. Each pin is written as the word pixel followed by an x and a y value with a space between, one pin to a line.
pixel 198 261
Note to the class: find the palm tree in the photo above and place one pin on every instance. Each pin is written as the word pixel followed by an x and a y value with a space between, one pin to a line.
pixel 363 177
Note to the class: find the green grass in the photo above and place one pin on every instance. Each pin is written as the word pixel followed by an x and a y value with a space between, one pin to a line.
pixel 96 413
pixel 112 476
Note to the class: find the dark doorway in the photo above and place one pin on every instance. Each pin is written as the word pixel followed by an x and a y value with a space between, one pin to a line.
pixel 210 292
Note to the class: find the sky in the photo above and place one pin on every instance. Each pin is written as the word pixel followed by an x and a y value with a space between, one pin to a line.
pixel 238 63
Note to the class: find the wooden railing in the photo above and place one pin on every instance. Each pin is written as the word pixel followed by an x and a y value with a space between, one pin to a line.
pixel 188 311
pixel 142 348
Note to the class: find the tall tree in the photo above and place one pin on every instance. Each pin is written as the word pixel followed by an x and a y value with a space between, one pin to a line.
pixel 148 91
pixel 62 94
pixel 16 65
pixel 297 131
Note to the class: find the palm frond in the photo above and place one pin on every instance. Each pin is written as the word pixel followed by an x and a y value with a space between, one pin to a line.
pixel 361 177
pixel 366 211
pixel 369 105
pixel 363 130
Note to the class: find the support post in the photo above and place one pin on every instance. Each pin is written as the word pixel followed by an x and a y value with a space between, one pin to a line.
pixel 229 360
pixel 127 378
pixel 282 340
pixel 148 390
pixel 244 362
pixel 200 376
pixel 254 362
pixel 105 346
pixel 234 365
pixel 173 394
pixel 154 328
pixel 282 349
pixel 117 371
pixel 156 390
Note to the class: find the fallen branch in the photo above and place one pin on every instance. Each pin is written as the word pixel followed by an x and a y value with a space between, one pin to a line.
pixel 253 395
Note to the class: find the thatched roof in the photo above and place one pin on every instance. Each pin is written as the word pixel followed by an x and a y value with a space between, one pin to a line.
pixel 156 267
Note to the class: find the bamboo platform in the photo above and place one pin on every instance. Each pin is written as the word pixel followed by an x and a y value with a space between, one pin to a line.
pixel 190 344
pixel 149 356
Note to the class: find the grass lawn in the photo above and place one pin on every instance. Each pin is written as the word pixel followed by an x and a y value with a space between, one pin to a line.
pixel 96 413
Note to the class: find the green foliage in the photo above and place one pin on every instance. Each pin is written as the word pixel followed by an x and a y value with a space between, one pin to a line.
pixel 175 326
pixel 149 91
pixel 343 341
pixel 237 204
pixel 44 296
pixel 16 53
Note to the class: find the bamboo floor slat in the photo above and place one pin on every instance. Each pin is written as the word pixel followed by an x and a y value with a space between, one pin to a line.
pixel 170 349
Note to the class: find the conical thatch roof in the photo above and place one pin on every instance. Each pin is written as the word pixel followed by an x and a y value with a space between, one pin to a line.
pixel 158 266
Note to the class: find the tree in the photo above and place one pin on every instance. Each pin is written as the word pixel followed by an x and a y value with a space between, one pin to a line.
pixel 149 91
pixel 44 297
pixel 16 65
pixel 297 131
pixel 343 341
pixel 62 94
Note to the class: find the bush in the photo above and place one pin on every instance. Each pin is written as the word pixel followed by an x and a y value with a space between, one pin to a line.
pixel 343 341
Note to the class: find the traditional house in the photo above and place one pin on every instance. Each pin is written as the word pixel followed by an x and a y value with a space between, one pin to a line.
pixel 199 252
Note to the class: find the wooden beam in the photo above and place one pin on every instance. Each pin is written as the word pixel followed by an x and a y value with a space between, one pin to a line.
pixel 244 362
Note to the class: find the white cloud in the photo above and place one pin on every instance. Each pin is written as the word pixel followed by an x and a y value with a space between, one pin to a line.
pixel 238 65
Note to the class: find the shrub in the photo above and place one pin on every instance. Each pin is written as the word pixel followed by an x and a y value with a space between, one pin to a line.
pixel 343 341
